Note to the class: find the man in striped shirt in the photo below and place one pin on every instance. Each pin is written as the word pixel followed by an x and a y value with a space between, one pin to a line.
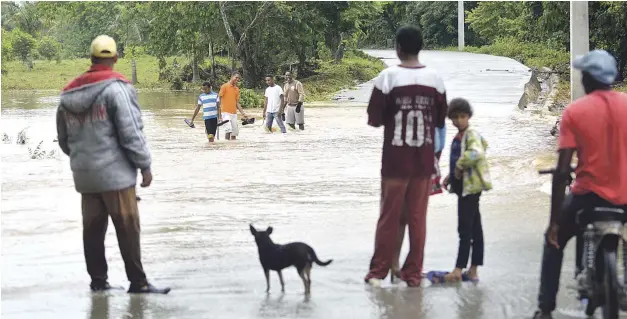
pixel 209 102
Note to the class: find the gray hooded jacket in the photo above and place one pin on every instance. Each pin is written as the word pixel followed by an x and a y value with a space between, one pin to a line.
pixel 99 126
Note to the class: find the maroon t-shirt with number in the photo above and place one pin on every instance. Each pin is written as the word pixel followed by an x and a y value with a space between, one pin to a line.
pixel 409 102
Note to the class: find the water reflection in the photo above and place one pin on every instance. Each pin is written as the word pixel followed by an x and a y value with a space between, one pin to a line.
pixel 99 306
pixel 277 306
pixel 398 303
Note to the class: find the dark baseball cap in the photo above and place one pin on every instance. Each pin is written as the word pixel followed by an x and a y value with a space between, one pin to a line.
pixel 599 64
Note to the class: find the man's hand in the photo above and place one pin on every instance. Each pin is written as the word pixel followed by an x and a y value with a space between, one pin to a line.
pixel 551 235
pixel 458 173
pixel 445 182
pixel 298 106
pixel 146 178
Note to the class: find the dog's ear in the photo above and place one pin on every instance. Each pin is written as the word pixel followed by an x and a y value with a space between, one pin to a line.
pixel 253 230
pixel 269 230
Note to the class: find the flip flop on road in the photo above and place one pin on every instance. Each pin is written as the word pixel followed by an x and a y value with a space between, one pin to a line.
pixel 436 277
pixel 190 124
pixel 466 277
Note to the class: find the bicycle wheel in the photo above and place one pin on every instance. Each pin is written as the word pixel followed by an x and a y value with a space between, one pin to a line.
pixel 610 281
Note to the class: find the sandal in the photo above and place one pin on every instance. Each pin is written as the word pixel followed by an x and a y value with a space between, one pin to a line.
pixel 466 277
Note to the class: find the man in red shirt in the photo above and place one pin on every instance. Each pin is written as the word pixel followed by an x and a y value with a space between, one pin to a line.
pixel 409 100
pixel 595 126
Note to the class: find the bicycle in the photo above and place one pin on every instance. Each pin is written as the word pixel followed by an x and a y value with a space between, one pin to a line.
pixel 604 229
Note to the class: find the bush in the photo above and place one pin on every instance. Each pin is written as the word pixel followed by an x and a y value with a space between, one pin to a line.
pixel 249 98
pixel 7 49
pixel 49 48
pixel 23 44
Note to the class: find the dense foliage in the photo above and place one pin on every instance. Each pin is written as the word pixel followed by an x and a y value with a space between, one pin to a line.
pixel 264 37
pixel 536 33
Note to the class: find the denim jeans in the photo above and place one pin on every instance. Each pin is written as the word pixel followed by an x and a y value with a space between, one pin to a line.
pixel 271 116
pixel 552 257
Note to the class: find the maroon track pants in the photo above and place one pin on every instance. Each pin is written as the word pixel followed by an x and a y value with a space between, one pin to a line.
pixel 395 192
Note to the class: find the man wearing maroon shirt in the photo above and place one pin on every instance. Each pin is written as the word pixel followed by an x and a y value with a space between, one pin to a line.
pixel 409 100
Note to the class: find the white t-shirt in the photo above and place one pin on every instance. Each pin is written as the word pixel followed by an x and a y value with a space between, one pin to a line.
pixel 273 93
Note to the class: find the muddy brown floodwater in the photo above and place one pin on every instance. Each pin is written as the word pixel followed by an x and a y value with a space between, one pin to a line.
pixel 320 186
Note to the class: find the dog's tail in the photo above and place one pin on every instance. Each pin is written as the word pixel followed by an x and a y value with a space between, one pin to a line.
pixel 314 257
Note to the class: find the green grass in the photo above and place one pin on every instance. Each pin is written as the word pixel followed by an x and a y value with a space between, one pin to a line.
pixel 332 77
pixel 49 75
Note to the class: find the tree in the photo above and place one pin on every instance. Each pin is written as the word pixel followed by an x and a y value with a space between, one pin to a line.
pixel 130 24
pixel 493 20
pixel 608 22
pixel 7 48
pixel 23 45
pixel 48 48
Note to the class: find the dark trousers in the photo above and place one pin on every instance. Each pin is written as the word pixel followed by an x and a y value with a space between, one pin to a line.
pixel 552 257
pixel 122 207
pixel 470 231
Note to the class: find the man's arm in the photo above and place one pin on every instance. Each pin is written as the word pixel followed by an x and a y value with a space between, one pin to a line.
pixel 560 181
pixel 282 105
pixel 301 92
pixel 440 139
pixel 265 105
pixel 377 103
pixel 196 112
pixel 567 147
pixel 129 126
pixel 62 133
pixel 239 106
pixel 240 109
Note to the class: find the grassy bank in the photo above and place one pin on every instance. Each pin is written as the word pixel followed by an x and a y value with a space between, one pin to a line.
pixel 50 75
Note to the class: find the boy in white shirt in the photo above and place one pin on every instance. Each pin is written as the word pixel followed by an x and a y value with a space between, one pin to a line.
pixel 273 105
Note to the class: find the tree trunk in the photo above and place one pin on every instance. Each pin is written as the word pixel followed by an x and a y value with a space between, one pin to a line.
pixel 133 72
pixel 195 76
pixel 339 54
pixel 162 65
pixel 213 60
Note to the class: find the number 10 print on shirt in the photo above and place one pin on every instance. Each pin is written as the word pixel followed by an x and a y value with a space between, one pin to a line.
pixel 409 103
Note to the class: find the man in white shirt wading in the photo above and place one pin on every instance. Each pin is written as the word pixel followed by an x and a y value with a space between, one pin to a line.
pixel 273 105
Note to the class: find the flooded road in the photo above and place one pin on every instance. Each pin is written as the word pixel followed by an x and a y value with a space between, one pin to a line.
pixel 320 186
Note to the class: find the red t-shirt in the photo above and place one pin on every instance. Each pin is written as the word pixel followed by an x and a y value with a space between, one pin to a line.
pixel 409 102
pixel 596 126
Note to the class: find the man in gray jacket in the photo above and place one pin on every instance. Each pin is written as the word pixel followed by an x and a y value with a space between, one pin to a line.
pixel 99 126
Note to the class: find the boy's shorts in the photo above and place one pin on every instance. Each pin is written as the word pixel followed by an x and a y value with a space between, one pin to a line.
pixel 211 125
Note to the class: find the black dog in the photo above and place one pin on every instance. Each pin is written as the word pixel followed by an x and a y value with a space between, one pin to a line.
pixel 277 257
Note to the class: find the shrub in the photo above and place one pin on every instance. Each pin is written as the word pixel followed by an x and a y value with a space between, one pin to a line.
pixel 7 48
pixel 48 48
pixel 23 44
pixel 249 98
